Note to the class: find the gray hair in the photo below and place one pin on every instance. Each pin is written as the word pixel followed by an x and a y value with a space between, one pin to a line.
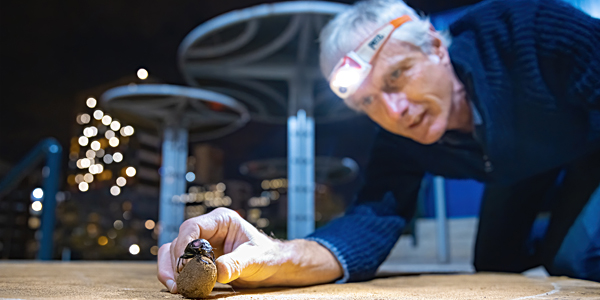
pixel 350 28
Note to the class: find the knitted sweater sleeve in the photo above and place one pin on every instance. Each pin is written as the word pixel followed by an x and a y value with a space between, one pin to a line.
pixel 364 236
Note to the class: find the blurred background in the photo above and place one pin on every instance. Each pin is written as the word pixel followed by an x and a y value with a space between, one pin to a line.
pixel 101 155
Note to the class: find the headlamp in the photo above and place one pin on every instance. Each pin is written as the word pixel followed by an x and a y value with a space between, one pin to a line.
pixel 349 73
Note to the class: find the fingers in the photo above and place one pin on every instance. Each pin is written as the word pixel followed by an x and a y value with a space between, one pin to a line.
pixel 248 262
pixel 165 270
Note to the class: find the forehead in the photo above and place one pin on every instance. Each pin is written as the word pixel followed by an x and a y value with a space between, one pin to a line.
pixel 393 53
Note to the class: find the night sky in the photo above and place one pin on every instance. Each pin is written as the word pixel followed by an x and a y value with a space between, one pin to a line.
pixel 52 50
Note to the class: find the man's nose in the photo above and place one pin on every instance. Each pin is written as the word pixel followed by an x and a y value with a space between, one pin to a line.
pixel 397 104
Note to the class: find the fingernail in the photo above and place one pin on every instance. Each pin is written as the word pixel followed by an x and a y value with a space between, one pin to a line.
pixel 170 285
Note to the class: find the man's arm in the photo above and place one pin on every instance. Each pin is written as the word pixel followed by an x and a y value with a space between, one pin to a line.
pixel 364 236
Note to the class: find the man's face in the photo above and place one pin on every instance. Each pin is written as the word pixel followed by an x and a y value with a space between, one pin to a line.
pixel 407 93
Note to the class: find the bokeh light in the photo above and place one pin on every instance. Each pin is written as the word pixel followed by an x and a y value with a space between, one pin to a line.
pixel 84 186
pixel 118 224
pixel 90 154
pixel 91 102
pixel 83 141
pixel 117 157
pixel 134 249
pixel 154 250
pixel 115 190
pixel 98 114
pixel 37 193
pixel 36 205
pixel 130 171
pixel 142 73
pixel 113 142
pixel 109 134
pixel 95 145
pixel 149 224
pixel 121 181
pixel 106 120
pixel 127 130
pixel 88 178
pixel 107 159
pixel 102 241
pixel 190 176
pixel 115 125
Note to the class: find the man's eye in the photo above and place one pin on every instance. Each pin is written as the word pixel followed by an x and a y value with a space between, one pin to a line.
pixel 396 74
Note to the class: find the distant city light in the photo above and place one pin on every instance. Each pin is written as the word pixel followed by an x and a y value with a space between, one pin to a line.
pixel 37 193
pixel 221 187
pixel 117 157
pixel 98 114
pixel 34 223
pixel 118 224
pixel 142 73
pixel 107 159
pixel 134 249
pixel 130 171
pixel 154 250
pixel 36 205
pixel 84 186
pixel 83 163
pixel 83 119
pixel 149 224
pixel 127 130
pixel 88 177
pixel 79 178
pixel 90 154
pixel 102 241
pixel 106 120
pixel 109 134
pixel 121 181
pixel 83 141
pixel 115 190
pixel 113 142
pixel 91 102
pixel 115 125
pixel 95 145
pixel 100 153
pixel 190 176
pixel 88 132
pixel 96 169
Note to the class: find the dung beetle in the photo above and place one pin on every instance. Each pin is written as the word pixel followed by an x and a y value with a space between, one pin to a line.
pixel 197 248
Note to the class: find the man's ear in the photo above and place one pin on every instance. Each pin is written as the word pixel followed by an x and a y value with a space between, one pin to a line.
pixel 437 47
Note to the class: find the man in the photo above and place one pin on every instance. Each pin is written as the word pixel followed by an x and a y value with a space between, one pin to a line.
pixel 514 102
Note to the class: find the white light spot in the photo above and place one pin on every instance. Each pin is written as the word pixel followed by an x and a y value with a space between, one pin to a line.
pixel 121 181
pixel 127 130
pixel 79 178
pixel 107 159
pixel 37 193
pixel 117 157
pixel 115 125
pixel 130 171
pixel 36 205
pixel 84 118
pixel 118 224
pixel 90 154
pixel 109 134
pixel 106 120
pixel 84 186
pixel 113 142
pixel 95 145
pixel 91 102
pixel 115 190
pixel 142 73
pixel 98 114
pixel 189 176
pixel 134 249
pixel 88 177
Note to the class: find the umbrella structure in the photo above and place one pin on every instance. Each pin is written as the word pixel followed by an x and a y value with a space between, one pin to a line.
pixel 266 56
pixel 182 114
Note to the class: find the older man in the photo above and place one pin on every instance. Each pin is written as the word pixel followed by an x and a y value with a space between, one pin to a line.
pixel 514 101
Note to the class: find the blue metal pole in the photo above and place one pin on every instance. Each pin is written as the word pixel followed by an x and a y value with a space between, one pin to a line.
pixel 443 241
pixel 172 182
pixel 50 187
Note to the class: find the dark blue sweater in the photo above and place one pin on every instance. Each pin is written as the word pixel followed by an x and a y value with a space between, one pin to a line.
pixel 531 69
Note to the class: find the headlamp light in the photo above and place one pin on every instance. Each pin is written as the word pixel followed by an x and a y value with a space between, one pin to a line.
pixel 350 72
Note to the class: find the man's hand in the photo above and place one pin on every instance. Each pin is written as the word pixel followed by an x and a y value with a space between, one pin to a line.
pixel 247 257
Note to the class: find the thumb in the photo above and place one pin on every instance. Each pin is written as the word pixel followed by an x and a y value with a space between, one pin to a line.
pixel 249 261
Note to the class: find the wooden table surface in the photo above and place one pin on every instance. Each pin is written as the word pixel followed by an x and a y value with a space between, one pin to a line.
pixel 133 280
